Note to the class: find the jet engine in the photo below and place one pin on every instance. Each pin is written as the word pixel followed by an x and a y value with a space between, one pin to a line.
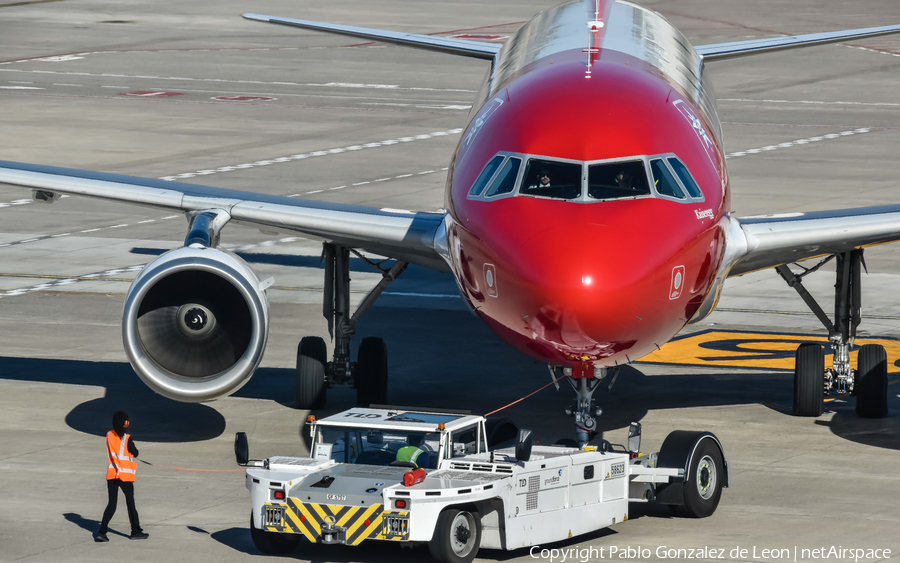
pixel 195 323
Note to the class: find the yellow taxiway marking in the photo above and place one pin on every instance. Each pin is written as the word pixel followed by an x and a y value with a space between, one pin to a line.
pixel 767 350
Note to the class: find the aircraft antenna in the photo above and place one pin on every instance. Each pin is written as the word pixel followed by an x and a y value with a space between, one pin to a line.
pixel 594 27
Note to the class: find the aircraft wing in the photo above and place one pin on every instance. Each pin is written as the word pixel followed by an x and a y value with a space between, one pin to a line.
pixel 463 47
pixel 723 51
pixel 405 235
pixel 781 239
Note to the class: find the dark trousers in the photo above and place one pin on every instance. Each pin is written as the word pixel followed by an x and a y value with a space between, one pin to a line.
pixel 113 486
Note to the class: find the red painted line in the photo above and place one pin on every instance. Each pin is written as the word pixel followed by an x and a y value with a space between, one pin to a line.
pixel 279 106
pixel 480 37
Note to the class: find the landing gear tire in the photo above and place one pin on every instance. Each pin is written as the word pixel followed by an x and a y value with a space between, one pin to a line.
pixel 312 357
pixel 809 381
pixel 371 372
pixel 567 442
pixel 457 536
pixel 706 475
pixel 871 382
pixel 272 543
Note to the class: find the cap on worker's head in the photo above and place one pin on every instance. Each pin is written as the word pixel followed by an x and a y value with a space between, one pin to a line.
pixel 119 420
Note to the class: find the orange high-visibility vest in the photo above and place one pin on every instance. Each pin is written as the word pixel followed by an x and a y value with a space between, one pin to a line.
pixel 121 465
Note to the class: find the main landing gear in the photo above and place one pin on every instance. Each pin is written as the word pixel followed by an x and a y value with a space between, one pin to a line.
pixel 868 382
pixel 584 382
pixel 368 375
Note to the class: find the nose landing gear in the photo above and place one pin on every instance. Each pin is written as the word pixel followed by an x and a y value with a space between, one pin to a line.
pixel 584 382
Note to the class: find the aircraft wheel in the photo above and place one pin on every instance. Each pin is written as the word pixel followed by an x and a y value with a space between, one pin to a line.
pixel 871 382
pixel 457 536
pixel 371 372
pixel 312 357
pixel 809 381
pixel 272 543
pixel 500 431
pixel 567 443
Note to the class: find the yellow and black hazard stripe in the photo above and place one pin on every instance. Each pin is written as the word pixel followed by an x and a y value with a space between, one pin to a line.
pixel 359 522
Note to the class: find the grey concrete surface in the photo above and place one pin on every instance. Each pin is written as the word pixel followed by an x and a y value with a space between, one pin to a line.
pixel 64 69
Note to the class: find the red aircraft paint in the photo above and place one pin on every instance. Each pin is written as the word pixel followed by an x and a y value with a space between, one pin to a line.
pixel 588 284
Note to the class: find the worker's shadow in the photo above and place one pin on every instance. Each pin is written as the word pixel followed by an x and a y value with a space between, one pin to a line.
pixel 89 525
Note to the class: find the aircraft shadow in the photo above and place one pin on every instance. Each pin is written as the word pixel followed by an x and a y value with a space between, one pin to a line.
pixel 440 359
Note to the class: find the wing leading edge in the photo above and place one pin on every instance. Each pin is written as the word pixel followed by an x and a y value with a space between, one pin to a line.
pixel 723 51
pixel 781 239
pixel 414 237
pixel 462 47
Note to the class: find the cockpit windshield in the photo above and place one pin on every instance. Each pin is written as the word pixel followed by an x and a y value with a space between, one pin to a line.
pixel 546 178
pixel 659 176
pixel 617 180
pixel 365 446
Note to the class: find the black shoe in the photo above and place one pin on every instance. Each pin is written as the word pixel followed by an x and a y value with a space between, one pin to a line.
pixel 100 537
pixel 139 536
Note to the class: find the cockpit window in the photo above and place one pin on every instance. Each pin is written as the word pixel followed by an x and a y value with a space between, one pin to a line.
pixel 663 180
pixel 545 178
pixel 505 182
pixel 617 180
pixel 486 175
pixel 689 184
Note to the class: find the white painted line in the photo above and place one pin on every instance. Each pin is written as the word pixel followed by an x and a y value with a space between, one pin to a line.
pixel 89 230
pixel 361 183
pixel 341 187
pixel 382 179
pixel 28 240
pixel 169 217
pixel 147 221
pixel 799 142
pixel 813 102
pixel 426 172
pixel 61 235
pixel 256 82
pixel 403 176
pixel 315 192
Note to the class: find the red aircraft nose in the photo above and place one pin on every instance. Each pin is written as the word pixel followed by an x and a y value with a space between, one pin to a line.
pixel 597 287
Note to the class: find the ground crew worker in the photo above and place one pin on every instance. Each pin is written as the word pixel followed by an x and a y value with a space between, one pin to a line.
pixel 413 453
pixel 120 473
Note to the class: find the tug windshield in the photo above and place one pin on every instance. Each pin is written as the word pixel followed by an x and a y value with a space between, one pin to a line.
pixel 365 446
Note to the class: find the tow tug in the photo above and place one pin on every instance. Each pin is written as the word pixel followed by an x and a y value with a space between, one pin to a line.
pixel 464 491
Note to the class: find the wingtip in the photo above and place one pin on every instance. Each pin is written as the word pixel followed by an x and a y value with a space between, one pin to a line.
pixel 255 17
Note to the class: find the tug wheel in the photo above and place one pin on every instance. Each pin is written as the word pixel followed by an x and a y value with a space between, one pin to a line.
pixel 705 478
pixel 272 543
pixel 457 536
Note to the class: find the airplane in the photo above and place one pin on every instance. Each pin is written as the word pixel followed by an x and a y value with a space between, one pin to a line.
pixel 587 222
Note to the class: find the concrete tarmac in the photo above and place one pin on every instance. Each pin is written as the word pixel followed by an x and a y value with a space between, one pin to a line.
pixel 149 88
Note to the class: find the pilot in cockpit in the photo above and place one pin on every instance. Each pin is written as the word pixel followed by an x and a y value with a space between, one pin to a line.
pixel 623 180
pixel 543 180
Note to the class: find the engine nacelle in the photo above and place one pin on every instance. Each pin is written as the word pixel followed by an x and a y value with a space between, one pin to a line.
pixel 195 324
